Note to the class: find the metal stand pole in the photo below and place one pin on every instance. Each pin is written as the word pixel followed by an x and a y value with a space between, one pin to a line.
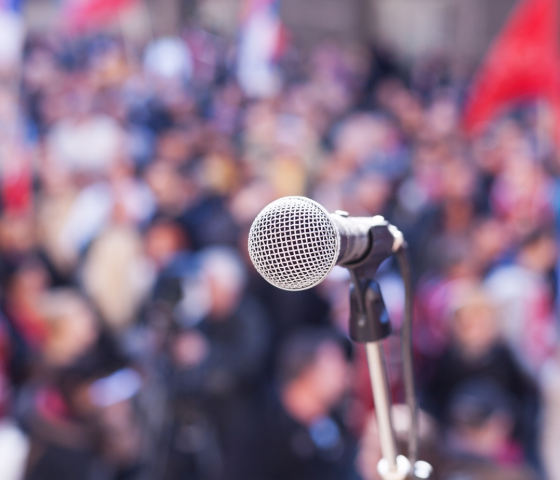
pixel 392 466
pixel 380 386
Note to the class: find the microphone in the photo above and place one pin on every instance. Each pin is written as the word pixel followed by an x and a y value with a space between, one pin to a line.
pixel 294 242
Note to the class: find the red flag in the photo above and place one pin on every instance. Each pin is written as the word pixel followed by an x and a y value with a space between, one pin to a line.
pixel 523 62
pixel 82 14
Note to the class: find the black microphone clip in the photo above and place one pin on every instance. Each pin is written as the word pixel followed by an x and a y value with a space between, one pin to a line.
pixel 369 320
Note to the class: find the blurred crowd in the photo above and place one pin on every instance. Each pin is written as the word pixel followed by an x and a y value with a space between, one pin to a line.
pixel 138 342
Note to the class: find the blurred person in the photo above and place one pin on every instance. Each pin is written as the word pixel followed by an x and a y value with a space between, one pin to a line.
pixel 55 202
pixel 435 294
pixel 218 354
pixel 287 175
pixel 58 418
pixel 171 189
pixel 523 293
pixel 290 310
pixel 404 105
pixel 442 119
pixel 479 442
pixel 72 328
pixel 57 408
pixel 115 274
pixel 491 243
pixel 505 141
pixel 167 263
pixel 176 145
pixel 85 141
pixel 450 214
pixel 93 206
pixel 80 426
pixel 26 287
pixel 368 196
pixel 523 195
pixel 18 238
pixel 334 78
pixel 259 136
pixel 477 353
pixel 219 172
pixel 550 420
pixel 226 108
pixel 423 185
pixel 247 203
pixel 163 240
pixel 208 221
pixel 304 434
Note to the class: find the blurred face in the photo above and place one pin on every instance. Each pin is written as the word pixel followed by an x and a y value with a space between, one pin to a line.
pixel 170 190
pixel 163 241
pixel 17 234
pixel 372 194
pixel 490 239
pixel 224 296
pixel 328 375
pixel 30 282
pixel 475 329
pixel 71 335
pixel 542 255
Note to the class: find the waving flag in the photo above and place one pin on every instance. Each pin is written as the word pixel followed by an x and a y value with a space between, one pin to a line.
pixel 12 34
pixel 12 5
pixel 523 62
pixel 262 38
pixel 83 14
pixel 15 170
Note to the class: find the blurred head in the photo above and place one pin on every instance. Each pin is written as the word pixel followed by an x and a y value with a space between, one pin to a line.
pixel 17 234
pixel 458 180
pixel 481 416
pixel 490 238
pixel 170 187
pixel 312 371
pixel 474 325
pixel 29 280
pixel 163 240
pixel 453 255
pixel 539 251
pixel 372 192
pixel 72 327
pixel 223 273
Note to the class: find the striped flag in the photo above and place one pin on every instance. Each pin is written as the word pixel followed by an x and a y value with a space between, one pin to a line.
pixel 262 39
pixel 12 33
pixel 11 5
pixel 15 170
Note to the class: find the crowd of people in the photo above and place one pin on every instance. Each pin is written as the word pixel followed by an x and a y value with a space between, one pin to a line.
pixel 138 342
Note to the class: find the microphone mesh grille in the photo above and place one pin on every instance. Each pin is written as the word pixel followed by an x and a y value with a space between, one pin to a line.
pixel 293 243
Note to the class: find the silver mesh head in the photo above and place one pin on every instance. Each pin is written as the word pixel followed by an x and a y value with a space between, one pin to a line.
pixel 293 243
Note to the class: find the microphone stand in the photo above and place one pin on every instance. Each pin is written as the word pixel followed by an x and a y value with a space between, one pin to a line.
pixel 369 325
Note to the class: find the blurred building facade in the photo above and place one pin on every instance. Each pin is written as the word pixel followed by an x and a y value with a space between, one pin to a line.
pixel 456 29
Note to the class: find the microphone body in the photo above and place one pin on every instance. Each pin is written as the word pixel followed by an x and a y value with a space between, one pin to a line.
pixel 294 242
pixel 357 237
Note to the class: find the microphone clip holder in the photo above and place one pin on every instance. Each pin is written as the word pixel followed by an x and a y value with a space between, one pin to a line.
pixel 369 320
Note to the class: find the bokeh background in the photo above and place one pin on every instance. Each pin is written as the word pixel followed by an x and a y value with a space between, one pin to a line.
pixel 138 141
